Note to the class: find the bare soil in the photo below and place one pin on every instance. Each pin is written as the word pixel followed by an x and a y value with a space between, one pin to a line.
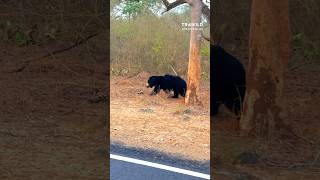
pixel 296 156
pixel 53 121
pixel 158 122
pixel 167 125
pixel 51 125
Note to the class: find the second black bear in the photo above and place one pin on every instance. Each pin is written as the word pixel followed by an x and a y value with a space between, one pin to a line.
pixel 168 83
pixel 228 82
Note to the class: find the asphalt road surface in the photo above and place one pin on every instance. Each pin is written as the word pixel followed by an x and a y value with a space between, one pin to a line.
pixel 127 163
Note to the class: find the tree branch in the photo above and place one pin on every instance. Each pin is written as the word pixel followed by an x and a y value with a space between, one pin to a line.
pixel 172 5
pixel 206 11
pixel 169 6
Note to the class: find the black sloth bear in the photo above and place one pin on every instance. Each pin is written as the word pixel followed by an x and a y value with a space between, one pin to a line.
pixel 228 82
pixel 168 83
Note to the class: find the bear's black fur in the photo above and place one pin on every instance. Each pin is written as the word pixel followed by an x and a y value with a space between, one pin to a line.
pixel 168 83
pixel 228 82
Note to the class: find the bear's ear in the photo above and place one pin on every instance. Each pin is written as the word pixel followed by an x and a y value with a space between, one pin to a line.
pixel 151 78
pixel 155 79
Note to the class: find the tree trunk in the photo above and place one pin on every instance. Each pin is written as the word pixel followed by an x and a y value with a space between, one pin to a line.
pixel 269 51
pixel 194 66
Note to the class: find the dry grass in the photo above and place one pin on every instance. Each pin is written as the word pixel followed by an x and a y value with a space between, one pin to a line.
pixel 231 22
pixel 153 44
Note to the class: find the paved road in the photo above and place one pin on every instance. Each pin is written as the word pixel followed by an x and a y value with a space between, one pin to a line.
pixel 139 164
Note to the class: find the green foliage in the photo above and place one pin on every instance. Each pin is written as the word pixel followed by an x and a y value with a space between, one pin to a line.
pixel 11 31
pixel 305 46
pixel 297 37
pixel 6 29
pixel 121 30
pixel 158 44
pixel 132 8
pixel 205 50
pixel 21 38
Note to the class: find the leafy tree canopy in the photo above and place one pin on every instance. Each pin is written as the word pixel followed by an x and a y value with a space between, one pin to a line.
pixel 132 8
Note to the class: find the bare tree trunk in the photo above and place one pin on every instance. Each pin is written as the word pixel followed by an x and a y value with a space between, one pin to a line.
pixel 194 66
pixel 268 55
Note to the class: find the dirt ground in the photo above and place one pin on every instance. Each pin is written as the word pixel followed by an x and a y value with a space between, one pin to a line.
pixel 294 157
pixel 53 114
pixel 52 119
pixel 167 125
pixel 158 122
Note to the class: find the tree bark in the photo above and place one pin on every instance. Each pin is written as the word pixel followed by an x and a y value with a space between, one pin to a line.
pixel 269 51
pixel 194 66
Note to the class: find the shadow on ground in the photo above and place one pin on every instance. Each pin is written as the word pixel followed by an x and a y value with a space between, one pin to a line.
pixel 159 157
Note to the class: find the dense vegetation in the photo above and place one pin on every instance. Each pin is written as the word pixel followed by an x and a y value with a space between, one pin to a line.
pixel 231 20
pixel 149 41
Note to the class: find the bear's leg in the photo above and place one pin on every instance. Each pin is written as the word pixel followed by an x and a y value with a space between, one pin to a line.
pixel 155 90
pixel 218 98
pixel 215 108
pixel 176 93
pixel 167 91
pixel 237 106
pixel 182 92
pixel 234 106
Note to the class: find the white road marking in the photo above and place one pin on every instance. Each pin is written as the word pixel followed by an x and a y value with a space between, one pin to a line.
pixel 160 166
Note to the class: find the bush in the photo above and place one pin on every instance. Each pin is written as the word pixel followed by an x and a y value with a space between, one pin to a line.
pixel 151 43
pixel 231 22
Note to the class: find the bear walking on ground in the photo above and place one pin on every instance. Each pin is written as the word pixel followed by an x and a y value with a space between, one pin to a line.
pixel 228 82
pixel 168 83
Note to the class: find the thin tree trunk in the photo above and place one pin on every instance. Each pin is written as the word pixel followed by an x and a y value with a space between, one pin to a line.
pixel 268 55
pixel 194 66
